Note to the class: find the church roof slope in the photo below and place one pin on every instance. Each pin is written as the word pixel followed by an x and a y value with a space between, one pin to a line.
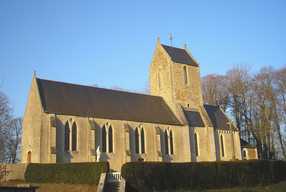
pixel 218 118
pixel 245 144
pixel 194 118
pixel 179 55
pixel 78 100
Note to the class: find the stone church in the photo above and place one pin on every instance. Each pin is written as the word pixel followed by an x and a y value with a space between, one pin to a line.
pixel 66 122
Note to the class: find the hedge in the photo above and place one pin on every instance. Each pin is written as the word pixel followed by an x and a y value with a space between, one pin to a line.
pixel 72 173
pixel 149 176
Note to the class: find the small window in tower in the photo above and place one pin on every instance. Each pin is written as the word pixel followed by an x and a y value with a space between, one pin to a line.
pixel 159 79
pixel 185 75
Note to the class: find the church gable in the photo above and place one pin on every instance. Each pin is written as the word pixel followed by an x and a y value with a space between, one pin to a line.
pixel 77 100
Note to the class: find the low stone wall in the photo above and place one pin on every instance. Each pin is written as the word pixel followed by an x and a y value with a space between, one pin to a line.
pixel 13 171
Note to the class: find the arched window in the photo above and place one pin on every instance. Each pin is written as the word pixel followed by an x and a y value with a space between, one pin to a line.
pixel 29 159
pixel 67 137
pixel 244 155
pixel 185 75
pixel 171 143
pixel 196 144
pixel 74 137
pixel 222 147
pixel 103 139
pixel 110 141
pixel 136 141
pixel 159 78
pixel 139 140
pixel 166 143
pixel 142 141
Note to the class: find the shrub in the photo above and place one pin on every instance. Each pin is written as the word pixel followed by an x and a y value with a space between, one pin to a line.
pixel 149 176
pixel 72 173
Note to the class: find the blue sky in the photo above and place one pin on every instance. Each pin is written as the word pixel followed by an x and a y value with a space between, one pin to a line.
pixel 111 43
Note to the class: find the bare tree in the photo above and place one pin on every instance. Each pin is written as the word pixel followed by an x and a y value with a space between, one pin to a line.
pixel 215 90
pixel 146 88
pixel 6 114
pixel 14 141
pixel 256 102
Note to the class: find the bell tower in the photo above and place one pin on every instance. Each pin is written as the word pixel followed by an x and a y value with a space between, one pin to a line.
pixel 174 74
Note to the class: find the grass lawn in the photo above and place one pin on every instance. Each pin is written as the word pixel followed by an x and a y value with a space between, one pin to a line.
pixel 52 187
pixel 61 187
pixel 274 187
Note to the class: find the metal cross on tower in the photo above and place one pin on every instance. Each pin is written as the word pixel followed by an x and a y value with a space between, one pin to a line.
pixel 171 38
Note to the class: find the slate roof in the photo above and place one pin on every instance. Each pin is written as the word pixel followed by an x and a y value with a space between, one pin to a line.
pixel 78 100
pixel 194 118
pixel 245 144
pixel 179 55
pixel 218 118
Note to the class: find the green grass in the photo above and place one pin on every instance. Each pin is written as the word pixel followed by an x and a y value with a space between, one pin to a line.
pixel 273 188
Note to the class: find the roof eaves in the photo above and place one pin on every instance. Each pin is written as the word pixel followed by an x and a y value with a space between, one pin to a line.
pixel 120 119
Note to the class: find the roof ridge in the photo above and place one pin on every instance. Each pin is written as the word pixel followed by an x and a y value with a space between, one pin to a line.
pixel 173 47
pixel 108 89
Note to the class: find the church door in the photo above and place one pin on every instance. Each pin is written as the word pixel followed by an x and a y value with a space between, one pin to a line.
pixel 29 156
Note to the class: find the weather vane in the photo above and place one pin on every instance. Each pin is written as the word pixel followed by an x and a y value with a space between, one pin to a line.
pixel 171 38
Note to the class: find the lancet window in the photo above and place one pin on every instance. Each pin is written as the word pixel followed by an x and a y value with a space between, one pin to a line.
pixel 196 144
pixel 222 146
pixel 107 139
pixel 169 142
pixel 185 75
pixel 70 137
pixel 139 140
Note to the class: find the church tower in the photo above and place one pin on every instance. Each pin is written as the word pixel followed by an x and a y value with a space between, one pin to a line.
pixel 174 74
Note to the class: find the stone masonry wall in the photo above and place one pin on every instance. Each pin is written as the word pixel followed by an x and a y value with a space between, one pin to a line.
pixel 32 123
pixel 188 95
